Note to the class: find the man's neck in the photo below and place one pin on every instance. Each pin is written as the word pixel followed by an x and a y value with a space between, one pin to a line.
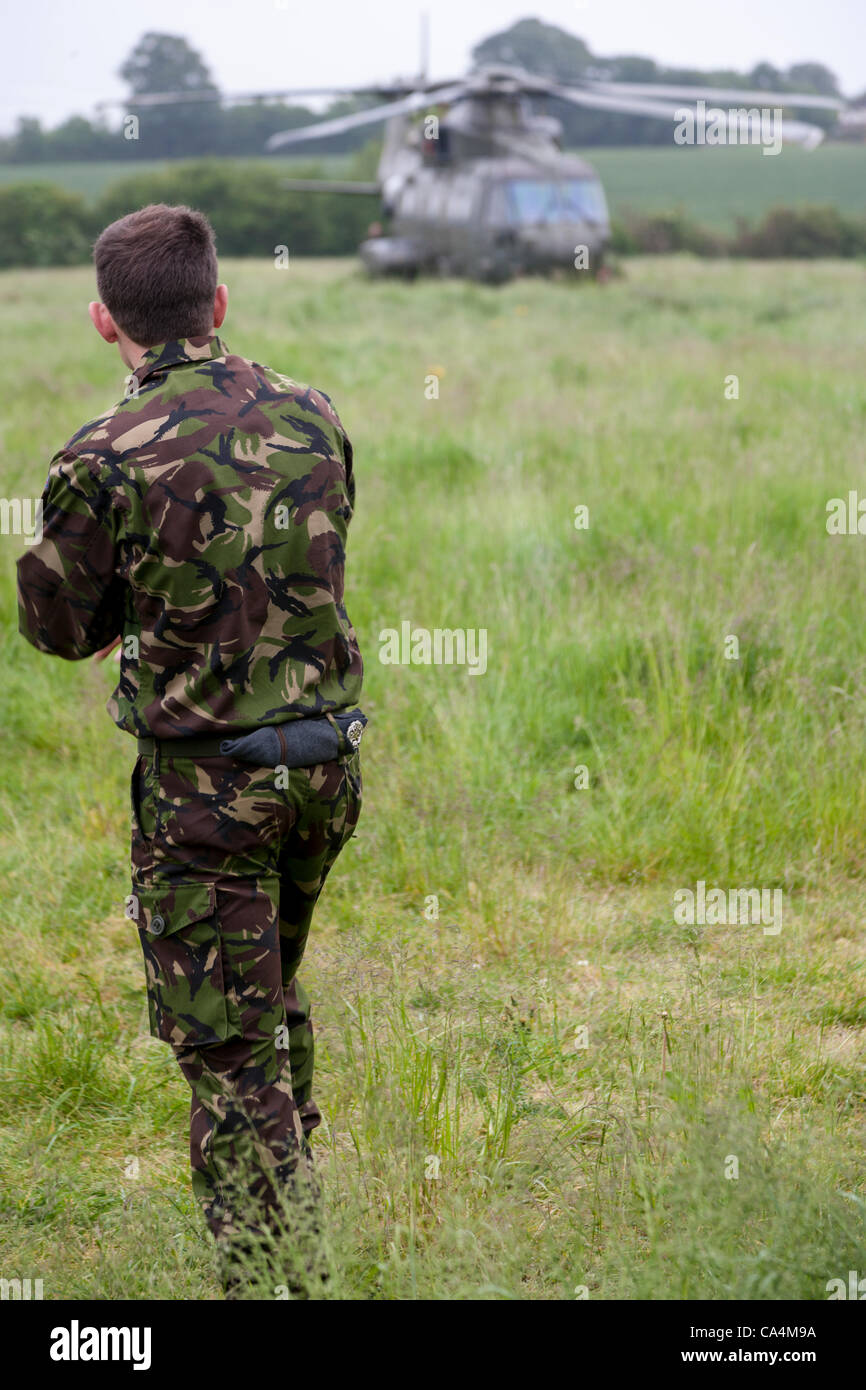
pixel 133 354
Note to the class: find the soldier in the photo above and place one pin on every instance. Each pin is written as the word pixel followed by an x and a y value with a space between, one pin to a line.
pixel 202 524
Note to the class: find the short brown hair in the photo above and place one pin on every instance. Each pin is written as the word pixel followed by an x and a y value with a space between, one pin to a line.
pixel 156 270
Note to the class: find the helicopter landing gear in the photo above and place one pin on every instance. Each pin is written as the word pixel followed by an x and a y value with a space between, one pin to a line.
pixel 493 273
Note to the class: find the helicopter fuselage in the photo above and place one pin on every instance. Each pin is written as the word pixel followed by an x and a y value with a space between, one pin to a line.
pixel 493 218
pixel 456 205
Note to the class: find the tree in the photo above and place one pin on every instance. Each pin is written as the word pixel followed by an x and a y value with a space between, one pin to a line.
pixel 766 78
pixel 79 138
pixel 538 47
pixel 247 127
pixel 630 68
pixel 813 77
pixel 167 63
pixel 29 141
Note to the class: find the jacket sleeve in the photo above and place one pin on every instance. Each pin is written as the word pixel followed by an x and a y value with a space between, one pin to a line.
pixel 348 460
pixel 343 446
pixel 71 600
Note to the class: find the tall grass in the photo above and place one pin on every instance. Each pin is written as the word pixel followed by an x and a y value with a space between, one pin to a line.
pixel 537 1092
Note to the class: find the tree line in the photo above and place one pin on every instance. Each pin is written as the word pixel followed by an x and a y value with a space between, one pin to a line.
pixel 254 215
pixel 216 126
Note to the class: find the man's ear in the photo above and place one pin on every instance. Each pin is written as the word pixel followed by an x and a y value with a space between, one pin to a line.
pixel 102 321
pixel 220 305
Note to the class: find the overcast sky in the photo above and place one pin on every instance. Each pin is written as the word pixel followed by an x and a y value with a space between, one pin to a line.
pixel 62 56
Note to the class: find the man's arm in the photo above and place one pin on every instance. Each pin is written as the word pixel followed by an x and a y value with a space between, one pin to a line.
pixel 71 600
pixel 343 443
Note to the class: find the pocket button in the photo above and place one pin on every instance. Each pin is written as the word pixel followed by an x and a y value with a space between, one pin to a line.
pixel 157 925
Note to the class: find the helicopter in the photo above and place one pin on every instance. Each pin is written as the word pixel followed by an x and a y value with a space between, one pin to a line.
pixel 475 183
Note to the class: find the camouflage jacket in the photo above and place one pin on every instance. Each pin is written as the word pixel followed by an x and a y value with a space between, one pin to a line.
pixel 203 519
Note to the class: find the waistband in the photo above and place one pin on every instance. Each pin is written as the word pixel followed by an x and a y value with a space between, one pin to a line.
pixel 301 742
pixel 182 747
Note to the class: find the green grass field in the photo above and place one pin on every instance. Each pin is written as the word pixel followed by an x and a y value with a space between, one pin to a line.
pixel 715 186
pixel 541 1093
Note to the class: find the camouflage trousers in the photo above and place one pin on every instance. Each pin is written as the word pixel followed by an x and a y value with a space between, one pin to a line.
pixel 227 865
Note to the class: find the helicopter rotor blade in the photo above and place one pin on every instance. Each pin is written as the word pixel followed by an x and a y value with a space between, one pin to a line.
pixel 733 94
pixel 229 98
pixel 792 132
pixel 209 95
pixel 416 101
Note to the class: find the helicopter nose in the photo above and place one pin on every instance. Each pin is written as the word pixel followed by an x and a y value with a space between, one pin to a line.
pixel 556 244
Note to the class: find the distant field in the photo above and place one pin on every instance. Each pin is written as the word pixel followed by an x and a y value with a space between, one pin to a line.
pixel 718 185
pixel 92 178
pixel 714 185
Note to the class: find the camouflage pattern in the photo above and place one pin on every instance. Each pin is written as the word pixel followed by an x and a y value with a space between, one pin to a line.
pixel 205 519
pixel 227 866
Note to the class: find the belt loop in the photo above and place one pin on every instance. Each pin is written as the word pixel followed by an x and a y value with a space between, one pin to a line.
pixel 156 757
pixel 341 742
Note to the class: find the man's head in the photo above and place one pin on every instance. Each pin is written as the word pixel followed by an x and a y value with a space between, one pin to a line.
pixel 156 270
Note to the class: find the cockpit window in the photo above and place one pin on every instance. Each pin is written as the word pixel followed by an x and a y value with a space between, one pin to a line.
pixel 584 198
pixel 520 201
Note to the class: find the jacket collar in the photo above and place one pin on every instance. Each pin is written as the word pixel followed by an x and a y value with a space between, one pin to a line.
pixel 178 352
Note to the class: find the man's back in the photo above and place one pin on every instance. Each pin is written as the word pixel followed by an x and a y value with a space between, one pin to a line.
pixel 202 524
pixel 223 492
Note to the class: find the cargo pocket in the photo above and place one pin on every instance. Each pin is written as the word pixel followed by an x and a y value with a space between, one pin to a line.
pixel 183 957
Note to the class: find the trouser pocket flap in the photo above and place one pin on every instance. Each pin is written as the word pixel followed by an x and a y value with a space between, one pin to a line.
pixel 180 935
pixel 165 910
